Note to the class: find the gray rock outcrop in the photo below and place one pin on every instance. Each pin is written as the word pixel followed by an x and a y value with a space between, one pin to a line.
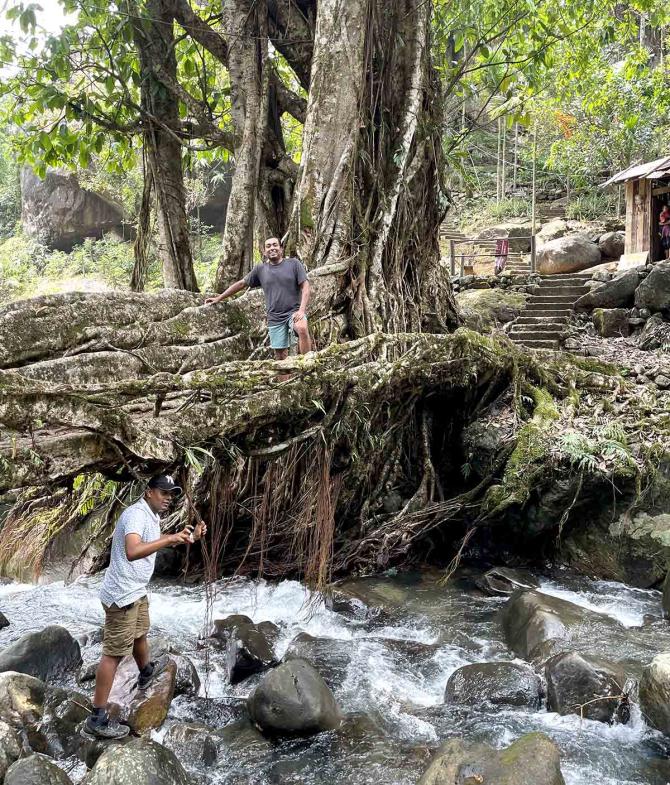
pixel 497 683
pixel 568 254
pixel 612 244
pixel 46 654
pixel 583 684
pixel 533 759
pixel 654 291
pixel 140 762
pixel 619 292
pixel 293 700
pixel 58 212
pixel 655 692
pixel 36 770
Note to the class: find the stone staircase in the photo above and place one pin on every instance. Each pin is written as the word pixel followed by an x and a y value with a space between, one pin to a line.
pixel 548 310
pixel 485 248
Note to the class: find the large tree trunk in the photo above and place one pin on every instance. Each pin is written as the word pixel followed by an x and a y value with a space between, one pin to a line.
pixel 369 190
pixel 154 38
pixel 245 24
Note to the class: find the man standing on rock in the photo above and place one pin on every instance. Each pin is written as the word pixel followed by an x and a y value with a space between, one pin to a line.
pixel 137 538
pixel 286 289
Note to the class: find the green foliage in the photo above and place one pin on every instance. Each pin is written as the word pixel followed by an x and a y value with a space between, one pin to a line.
pixel 591 206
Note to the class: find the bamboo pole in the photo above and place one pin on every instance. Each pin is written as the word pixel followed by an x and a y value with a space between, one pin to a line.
pixel 516 154
pixel 452 256
pixel 533 206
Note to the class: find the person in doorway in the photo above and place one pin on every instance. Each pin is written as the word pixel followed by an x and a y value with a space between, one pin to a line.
pixel 136 540
pixel 664 225
pixel 286 289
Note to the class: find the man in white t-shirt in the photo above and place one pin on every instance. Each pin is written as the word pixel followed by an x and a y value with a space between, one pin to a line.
pixel 137 538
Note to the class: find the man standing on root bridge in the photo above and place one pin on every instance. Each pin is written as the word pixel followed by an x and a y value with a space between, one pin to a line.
pixel 286 289
pixel 137 538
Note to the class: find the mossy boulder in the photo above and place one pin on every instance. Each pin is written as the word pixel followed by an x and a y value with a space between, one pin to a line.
pixel 583 684
pixel 486 309
pixel 655 693
pixel 140 762
pixel 36 770
pixel 533 759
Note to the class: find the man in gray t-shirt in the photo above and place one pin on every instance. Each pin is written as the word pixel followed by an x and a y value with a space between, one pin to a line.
pixel 286 289
pixel 136 540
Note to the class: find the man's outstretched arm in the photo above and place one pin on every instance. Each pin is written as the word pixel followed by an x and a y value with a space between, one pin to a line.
pixel 238 286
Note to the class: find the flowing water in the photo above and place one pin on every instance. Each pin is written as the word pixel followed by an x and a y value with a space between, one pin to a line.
pixel 388 674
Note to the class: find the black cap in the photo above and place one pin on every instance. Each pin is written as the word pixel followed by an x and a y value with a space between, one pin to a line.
pixel 164 482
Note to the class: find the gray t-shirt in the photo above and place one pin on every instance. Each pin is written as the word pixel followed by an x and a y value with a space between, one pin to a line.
pixel 126 581
pixel 281 287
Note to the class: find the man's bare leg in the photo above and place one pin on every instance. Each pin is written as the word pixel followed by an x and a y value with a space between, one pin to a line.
pixel 304 340
pixel 281 354
pixel 104 678
pixel 141 652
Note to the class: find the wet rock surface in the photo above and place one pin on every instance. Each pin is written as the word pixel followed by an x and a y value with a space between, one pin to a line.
pixel 293 700
pixel 10 747
pixel 140 762
pixel 249 652
pixel 498 683
pixel 534 758
pixel 36 770
pixel 504 581
pixel 585 685
pixel 46 654
pixel 655 693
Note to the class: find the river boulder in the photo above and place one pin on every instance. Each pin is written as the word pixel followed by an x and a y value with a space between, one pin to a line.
pixel 568 254
pixel 497 683
pixel 140 762
pixel 224 627
pixel 193 740
pixel 330 657
pixel 583 684
pixel 149 707
pixel 654 291
pixel 10 747
pixel 36 770
pixel 533 759
pixel 57 735
pixel 3 621
pixel 21 700
pixel 655 692
pixel 248 652
pixel 505 581
pixel 187 681
pixel 293 700
pixel 612 244
pixel 58 212
pixel 537 626
pixel 47 654
pixel 619 292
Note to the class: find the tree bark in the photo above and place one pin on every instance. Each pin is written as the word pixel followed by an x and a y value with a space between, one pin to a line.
pixel 245 24
pixel 154 38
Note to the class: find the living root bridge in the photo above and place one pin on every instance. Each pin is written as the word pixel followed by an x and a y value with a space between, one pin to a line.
pixel 54 431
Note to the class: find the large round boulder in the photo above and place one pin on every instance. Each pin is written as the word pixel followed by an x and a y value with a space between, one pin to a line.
pixel 497 683
pixel 612 244
pixel 583 684
pixel 655 692
pixel 568 254
pixel 655 334
pixel 46 654
pixel 36 770
pixel 58 212
pixel 654 292
pixel 10 747
pixel 140 762
pixel 293 700
pixel 619 292
pixel 533 759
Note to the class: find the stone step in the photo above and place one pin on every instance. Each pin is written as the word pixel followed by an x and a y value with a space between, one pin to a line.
pixel 567 277
pixel 537 344
pixel 568 291
pixel 538 314
pixel 545 297
pixel 540 335
pixel 529 327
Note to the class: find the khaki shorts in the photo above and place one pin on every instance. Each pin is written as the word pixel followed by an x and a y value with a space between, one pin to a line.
pixel 123 626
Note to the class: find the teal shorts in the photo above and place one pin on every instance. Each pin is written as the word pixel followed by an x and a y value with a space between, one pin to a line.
pixel 283 336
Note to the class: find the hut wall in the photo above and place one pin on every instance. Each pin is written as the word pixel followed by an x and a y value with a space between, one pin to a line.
pixel 638 215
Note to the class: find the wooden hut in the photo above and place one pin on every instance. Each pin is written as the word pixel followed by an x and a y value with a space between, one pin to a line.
pixel 647 190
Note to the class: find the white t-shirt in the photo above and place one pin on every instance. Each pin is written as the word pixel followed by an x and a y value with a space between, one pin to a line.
pixel 126 581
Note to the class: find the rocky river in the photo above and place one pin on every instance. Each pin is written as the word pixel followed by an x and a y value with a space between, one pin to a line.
pixel 387 647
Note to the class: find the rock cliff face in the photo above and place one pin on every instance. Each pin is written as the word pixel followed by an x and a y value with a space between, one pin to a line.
pixel 58 212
